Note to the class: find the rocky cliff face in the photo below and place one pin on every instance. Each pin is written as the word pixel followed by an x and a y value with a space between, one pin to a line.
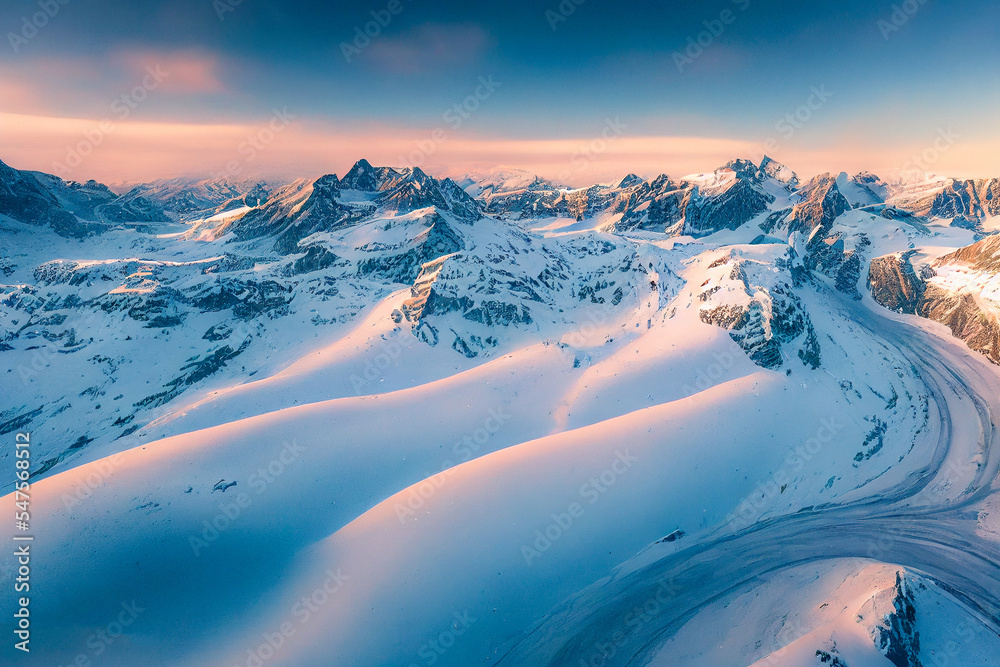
pixel 728 207
pixel 968 199
pixel 759 306
pixel 293 213
pixel 820 203
pixel 960 304
pixel 727 199
pixel 26 198
pixel 894 283
pixel 897 636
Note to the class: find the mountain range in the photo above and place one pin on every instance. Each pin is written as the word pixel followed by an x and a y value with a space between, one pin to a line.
pixel 742 394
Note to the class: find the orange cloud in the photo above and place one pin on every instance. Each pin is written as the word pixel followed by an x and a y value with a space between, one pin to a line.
pixel 187 71
pixel 48 86
pixel 20 95
pixel 136 151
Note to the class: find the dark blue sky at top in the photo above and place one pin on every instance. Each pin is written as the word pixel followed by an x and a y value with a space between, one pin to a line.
pixel 606 59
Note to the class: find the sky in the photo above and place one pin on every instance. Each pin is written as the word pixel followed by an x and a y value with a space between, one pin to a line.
pixel 580 91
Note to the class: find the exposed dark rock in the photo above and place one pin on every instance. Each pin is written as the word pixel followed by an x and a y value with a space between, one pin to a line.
pixel 894 284
pixel 897 638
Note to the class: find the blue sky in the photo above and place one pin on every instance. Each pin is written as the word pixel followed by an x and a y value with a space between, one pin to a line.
pixel 896 73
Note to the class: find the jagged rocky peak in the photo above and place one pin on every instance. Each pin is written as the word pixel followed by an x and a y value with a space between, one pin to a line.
pixel 768 169
pixel 8 174
pixel 460 203
pixel 965 203
pixel 663 183
pixel 779 172
pixel 725 203
pixel 630 181
pixel 517 193
pixel 192 198
pixel 485 184
pixel 408 189
pixel 330 203
pixel 742 167
pixel 292 213
pixel 327 185
pixel 821 203
pixel 366 178
pixel 861 191
pixel 872 181
pixel 897 636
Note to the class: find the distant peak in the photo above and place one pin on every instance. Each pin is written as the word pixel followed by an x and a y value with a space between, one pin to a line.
pixel 744 168
pixel 419 174
pixel 778 171
pixel 630 180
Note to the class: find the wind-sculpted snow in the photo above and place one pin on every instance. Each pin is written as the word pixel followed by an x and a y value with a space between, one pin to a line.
pixel 514 412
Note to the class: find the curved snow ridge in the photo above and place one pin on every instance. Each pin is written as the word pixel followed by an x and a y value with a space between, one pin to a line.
pixel 609 490
pixel 300 474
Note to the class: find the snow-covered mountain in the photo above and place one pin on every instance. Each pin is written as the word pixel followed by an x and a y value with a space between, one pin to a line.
pixel 194 198
pixel 495 420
